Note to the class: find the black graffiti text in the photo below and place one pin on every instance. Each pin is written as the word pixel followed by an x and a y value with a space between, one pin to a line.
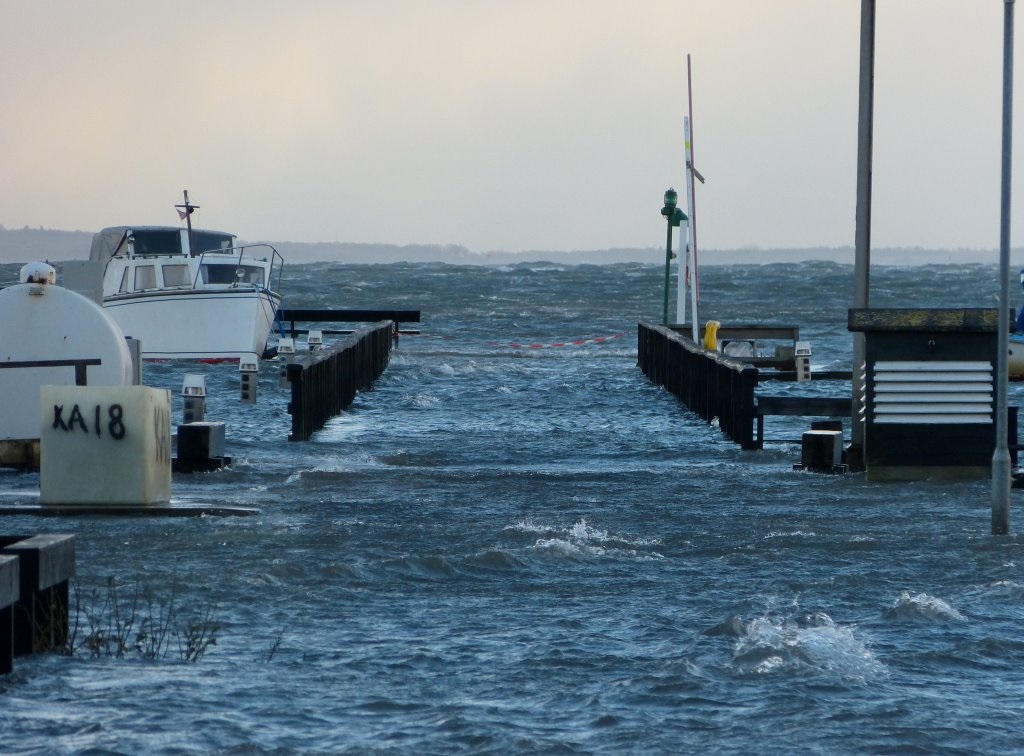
pixel 95 420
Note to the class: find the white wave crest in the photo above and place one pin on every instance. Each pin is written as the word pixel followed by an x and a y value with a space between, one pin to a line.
pixel 528 526
pixel 771 644
pixel 581 539
pixel 422 401
pixel 921 606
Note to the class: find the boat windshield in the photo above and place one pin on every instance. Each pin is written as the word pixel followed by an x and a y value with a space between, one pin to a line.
pixel 209 241
pixel 146 242
pixel 229 274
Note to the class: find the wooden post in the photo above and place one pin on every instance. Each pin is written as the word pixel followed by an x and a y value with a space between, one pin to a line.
pixel 9 595
pixel 45 565
pixel 325 384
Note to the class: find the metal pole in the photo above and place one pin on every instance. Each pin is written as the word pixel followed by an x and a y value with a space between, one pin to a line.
pixel 691 231
pixel 188 207
pixel 1001 455
pixel 691 198
pixel 681 272
pixel 862 242
pixel 684 272
pixel 668 263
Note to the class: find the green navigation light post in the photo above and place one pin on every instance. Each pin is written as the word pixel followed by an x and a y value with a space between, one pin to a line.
pixel 674 216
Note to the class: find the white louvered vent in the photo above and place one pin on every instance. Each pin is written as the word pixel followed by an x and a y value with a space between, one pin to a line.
pixel 951 392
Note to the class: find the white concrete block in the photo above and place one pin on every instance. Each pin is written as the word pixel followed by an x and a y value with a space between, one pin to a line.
pixel 105 445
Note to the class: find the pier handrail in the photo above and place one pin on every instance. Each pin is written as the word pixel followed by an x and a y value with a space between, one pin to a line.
pixel 276 263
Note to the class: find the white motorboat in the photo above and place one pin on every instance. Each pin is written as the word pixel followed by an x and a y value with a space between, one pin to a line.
pixel 1015 356
pixel 1015 359
pixel 187 293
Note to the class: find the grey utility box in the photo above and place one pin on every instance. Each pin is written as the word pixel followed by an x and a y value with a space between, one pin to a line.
pixel 929 392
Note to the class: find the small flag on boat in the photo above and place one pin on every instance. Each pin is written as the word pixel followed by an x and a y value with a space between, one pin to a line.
pixel 187 209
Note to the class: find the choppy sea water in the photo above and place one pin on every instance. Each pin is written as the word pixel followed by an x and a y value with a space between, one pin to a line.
pixel 510 545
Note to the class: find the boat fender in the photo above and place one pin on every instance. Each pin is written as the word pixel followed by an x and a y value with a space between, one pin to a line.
pixel 711 335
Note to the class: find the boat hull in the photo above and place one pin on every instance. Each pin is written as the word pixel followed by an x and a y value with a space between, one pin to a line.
pixel 1015 358
pixel 221 324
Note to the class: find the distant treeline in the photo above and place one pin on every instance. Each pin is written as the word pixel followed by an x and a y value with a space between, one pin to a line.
pixel 30 244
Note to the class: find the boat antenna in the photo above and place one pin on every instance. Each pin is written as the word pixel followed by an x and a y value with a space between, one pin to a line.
pixel 185 213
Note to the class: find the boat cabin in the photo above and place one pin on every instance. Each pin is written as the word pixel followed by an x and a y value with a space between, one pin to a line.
pixel 146 241
pixel 158 257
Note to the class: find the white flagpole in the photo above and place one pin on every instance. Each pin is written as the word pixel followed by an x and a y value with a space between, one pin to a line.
pixel 685 265
pixel 693 280
pixel 685 277
pixel 691 237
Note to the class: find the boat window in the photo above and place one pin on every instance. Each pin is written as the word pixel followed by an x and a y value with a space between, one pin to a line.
pixel 175 275
pixel 145 277
pixel 153 242
pixel 207 241
pixel 229 274
pixel 252 274
pixel 123 288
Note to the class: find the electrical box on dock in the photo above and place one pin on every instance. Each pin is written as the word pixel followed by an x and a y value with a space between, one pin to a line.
pixel 929 392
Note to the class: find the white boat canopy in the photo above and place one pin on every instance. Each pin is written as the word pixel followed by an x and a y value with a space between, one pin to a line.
pixel 155 240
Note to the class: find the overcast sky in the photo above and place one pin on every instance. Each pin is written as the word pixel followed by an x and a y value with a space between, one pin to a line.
pixel 500 125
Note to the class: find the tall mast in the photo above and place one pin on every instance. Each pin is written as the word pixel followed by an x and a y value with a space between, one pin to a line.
pixel 692 194
pixel 185 211
pixel 688 281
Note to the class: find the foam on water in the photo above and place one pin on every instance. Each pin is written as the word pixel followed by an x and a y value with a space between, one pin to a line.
pixel 537 550
pixel 773 645
pixel 920 606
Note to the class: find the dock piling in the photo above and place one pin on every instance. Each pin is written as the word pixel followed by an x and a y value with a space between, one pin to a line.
pixel 325 382
pixel 39 616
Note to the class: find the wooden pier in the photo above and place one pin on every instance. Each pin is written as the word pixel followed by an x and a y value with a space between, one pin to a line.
pixel 716 386
pixel 295 316
pixel 324 382
pixel 708 383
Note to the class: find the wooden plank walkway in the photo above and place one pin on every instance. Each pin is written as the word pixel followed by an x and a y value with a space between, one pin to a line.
pixel 796 406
